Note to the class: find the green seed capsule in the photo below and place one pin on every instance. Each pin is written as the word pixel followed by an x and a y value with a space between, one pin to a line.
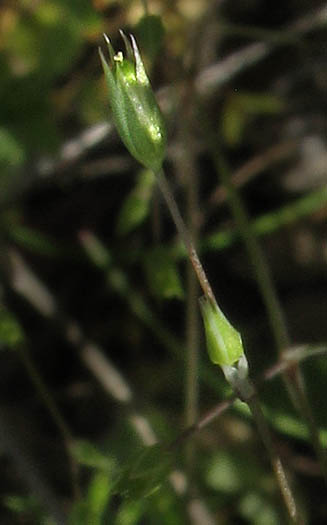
pixel 134 108
pixel 224 343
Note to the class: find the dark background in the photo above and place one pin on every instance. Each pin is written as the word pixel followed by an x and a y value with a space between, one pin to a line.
pixel 89 255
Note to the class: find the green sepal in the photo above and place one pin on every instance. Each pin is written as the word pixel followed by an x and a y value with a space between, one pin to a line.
pixel 134 108
pixel 224 343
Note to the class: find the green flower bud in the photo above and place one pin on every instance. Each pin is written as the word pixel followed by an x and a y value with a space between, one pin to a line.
pixel 134 108
pixel 224 343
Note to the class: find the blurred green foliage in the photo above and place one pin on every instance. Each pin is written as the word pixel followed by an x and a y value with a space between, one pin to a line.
pixel 91 235
pixel 40 42
pixel 11 333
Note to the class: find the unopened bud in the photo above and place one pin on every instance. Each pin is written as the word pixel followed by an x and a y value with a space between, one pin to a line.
pixel 134 108
pixel 224 343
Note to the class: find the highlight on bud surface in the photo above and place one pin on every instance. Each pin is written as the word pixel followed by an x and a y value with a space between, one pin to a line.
pixel 134 108
pixel 224 343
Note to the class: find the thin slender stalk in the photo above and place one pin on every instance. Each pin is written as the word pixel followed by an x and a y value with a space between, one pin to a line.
pixel 276 463
pixel 54 411
pixel 191 366
pixel 246 391
pixel 145 7
pixel 185 236
pixel 246 385
pixel 301 353
pixel 292 377
pixel 295 383
pixel 192 317
pixel 192 343
pixel 192 329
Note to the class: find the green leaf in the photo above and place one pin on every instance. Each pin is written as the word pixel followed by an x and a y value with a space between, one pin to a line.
pixel 233 122
pixel 28 509
pixel 230 471
pixel 96 250
pixel 162 274
pixel 98 493
pixel 136 206
pixel 11 333
pixel 147 474
pixel 224 473
pixel 21 504
pixel 256 509
pixel 89 455
pixel 79 513
pixel 11 151
pixel 130 512
pixel 240 107
pixel 260 103
pixel 150 32
pixel 35 241
pixel 102 485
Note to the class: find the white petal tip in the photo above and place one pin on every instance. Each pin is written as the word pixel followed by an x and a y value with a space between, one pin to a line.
pixel 107 39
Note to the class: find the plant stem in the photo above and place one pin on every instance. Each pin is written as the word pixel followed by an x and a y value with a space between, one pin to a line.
pixel 53 410
pixel 191 391
pixel 250 399
pixel 192 322
pixel 145 7
pixel 292 377
pixel 191 366
pixel 237 377
pixel 276 463
pixel 185 236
